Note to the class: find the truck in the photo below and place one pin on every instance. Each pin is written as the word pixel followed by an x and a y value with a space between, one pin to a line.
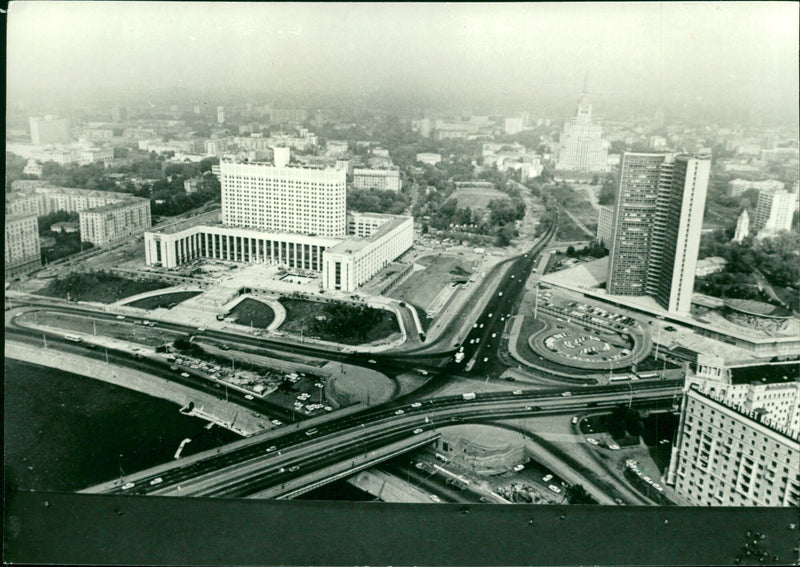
pixel 459 356
pixel 468 396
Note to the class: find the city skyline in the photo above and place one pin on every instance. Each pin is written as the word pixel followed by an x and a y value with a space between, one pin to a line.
pixel 712 55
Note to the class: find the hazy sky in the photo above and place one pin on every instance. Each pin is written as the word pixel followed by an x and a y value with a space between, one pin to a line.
pixel 734 51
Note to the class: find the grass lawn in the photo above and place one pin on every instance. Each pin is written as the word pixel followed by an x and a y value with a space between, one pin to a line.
pixel 301 316
pixel 252 312
pixel 168 300
pixel 476 198
pixel 423 286
pixel 98 286
pixel 568 231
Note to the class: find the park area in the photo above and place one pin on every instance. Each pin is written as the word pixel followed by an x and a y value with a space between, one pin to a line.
pixel 165 300
pixel 253 313
pixel 101 287
pixel 422 287
pixel 337 322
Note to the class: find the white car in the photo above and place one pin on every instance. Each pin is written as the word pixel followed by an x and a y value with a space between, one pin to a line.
pixel 517 392
pixel 592 441
pixel 120 316
pixel 185 374
pixel 372 361
pixel 248 397
pixel 472 341
pixel 500 294
pixel 435 498
pixel 555 488
pixel 547 478
pixel 399 412
pixel 613 446
pixel 575 420
pixel 155 481
pixel 416 405
pixel 277 422
pixel 417 431
pixel 519 467
pixel 271 449
pixel 494 335
pixel 128 486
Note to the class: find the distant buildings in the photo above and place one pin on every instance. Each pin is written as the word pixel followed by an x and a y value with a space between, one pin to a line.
pixel 742 227
pixel 115 222
pixel 657 222
pixel 739 186
pixel 49 130
pixel 605 225
pixel 32 168
pixel 582 147
pixel 336 148
pixel 292 217
pixel 22 244
pixel 710 265
pixel 513 125
pixel 380 179
pixel 774 212
pixel 423 126
pixel 220 115
pixel 726 455
pixel 779 155
pixel 428 158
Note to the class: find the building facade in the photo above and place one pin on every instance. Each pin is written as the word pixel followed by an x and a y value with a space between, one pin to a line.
pixel 22 244
pixel 429 158
pixel 742 227
pixel 727 456
pixel 581 146
pixel 380 179
pixel 48 130
pixel 774 212
pixel 284 199
pixel 739 186
pixel 605 225
pixel 115 222
pixel 657 223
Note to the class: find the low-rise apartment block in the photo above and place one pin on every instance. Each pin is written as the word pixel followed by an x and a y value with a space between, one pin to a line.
pixel 380 179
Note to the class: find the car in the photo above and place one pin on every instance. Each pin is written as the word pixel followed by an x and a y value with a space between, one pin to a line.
pixel 475 326
pixel 224 347
pixel 399 412
pixel 566 394
pixel 185 374
pixel 128 485
pixel 670 328
pixel 472 341
pixel 372 361
pixel 517 392
pixel 155 481
pixel 518 467
pixel 120 317
pixel 575 420
pixel 500 294
pixel 490 315
pixel 435 498
pixel 248 397
pixel 494 335
pixel 417 431
pixel 294 468
pixel 201 329
pixel 486 359
pixel 276 422
pixel 613 446
pixel 271 449
pixel 547 478
pixel 416 405
pixel 480 326
pixel 592 441
pixel 554 488
pixel 422 372
pixel 512 276
pixel 280 470
pixel 311 432
pixel 477 340
pixel 664 442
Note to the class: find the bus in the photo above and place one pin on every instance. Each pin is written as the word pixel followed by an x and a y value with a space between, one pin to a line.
pixel 623 378
pixel 73 338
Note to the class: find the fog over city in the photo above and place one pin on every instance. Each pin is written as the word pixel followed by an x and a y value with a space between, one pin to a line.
pixel 701 56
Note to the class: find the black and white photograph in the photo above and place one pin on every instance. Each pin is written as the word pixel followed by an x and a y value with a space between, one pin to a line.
pixel 402 283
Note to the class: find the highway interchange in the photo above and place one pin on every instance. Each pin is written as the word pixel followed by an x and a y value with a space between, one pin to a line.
pixel 284 458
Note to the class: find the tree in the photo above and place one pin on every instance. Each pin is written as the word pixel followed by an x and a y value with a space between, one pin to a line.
pixel 576 494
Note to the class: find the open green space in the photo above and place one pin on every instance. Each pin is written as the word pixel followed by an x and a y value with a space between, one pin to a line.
pixel 568 231
pixel 337 322
pixel 422 287
pixel 253 313
pixel 168 300
pixel 101 286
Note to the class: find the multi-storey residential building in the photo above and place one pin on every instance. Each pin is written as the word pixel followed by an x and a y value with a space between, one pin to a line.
pixel 292 217
pixel 582 147
pixel 61 156
pixel 657 223
pixel 726 455
pixel 22 244
pixel 513 125
pixel 605 225
pixel 284 199
pixel 24 203
pixel 48 130
pixel 95 155
pixel 32 168
pixel 780 155
pixel 380 179
pixel 774 212
pixel 739 186
pixel 115 222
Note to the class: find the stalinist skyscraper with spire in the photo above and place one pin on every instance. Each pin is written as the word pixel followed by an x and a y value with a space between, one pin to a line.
pixel 581 147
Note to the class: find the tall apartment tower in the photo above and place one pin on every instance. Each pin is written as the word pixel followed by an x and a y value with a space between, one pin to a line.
pixel 48 130
pixel 774 212
pixel 582 147
pixel 657 223
pixel 282 198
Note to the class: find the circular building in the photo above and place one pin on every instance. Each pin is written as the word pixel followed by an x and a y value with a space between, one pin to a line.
pixel 756 315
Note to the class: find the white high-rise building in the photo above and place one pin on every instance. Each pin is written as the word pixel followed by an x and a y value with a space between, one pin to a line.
pixel 284 199
pixel 774 212
pixel 48 130
pixel 742 227
pixel 582 147
pixel 605 225
pixel 657 224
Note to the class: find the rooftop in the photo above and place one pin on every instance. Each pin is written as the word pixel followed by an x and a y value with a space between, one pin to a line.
pixel 766 373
